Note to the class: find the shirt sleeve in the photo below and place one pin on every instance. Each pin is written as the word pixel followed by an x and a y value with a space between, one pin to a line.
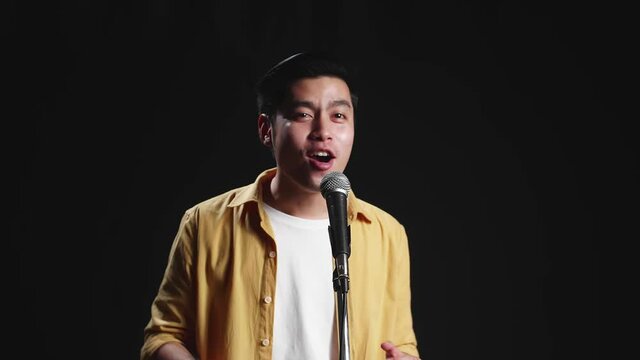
pixel 172 317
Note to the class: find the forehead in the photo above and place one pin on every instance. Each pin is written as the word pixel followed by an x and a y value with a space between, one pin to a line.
pixel 319 88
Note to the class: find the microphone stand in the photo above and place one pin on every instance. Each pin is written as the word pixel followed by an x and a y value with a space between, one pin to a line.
pixel 341 287
pixel 335 189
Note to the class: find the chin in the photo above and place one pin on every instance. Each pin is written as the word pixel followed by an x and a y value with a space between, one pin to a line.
pixel 313 183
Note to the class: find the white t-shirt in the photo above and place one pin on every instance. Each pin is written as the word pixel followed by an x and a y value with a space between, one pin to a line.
pixel 304 317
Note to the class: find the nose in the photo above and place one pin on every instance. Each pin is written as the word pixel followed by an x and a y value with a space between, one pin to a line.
pixel 321 130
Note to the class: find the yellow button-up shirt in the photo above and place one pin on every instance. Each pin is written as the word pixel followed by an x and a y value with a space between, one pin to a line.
pixel 218 291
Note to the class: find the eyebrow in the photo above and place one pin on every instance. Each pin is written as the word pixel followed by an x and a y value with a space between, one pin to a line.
pixel 309 104
pixel 335 103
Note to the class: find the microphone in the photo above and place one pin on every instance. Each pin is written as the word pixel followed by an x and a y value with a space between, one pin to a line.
pixel 335 187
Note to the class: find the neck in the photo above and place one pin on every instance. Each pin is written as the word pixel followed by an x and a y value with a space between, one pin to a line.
pixel 295 200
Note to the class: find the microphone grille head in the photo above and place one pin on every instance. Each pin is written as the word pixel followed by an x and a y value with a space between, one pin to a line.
pixel 334 181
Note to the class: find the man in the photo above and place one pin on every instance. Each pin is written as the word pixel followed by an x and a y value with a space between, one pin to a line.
pixel 250 271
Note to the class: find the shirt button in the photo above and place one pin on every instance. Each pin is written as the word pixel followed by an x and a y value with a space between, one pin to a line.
pixel 264 342
pixel 272 254
pixel 267 299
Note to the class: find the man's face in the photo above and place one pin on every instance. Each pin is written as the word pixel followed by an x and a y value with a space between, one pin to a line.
pixel 313 131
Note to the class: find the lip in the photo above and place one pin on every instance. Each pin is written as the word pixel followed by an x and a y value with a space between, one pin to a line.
pixel 321 165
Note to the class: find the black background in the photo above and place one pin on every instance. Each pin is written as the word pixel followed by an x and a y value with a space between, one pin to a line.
pixel 494 132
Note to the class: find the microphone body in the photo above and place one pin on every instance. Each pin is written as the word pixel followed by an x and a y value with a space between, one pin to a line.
pixel 338 228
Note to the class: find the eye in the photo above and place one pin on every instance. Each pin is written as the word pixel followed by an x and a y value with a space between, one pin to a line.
pixel 340 115
pixel 303 115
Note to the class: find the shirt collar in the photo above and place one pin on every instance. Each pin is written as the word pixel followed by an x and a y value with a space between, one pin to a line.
pixel 252 193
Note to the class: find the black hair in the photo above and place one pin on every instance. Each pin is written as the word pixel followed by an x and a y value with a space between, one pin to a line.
pixel 274 85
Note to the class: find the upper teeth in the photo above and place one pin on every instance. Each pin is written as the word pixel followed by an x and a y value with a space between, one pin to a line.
pixel 321 153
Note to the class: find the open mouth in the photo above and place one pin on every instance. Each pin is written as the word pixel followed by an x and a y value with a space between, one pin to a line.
pixel 321 156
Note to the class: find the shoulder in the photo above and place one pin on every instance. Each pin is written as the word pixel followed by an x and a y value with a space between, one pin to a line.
pixel 219 205
pixel 375 215
pixel 376 228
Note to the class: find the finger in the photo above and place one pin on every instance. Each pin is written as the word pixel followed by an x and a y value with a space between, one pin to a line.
pixel 390 349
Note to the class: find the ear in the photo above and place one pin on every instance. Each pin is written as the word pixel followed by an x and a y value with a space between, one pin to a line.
pixel 264 130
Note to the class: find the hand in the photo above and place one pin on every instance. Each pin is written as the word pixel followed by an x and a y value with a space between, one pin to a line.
pixel 392 352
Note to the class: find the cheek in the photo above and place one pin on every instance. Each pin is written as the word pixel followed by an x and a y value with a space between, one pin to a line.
pixel 287 141
pixel 346 138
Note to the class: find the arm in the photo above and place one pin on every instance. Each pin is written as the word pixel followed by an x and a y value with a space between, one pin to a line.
pixel 403 333
pixel 172 317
